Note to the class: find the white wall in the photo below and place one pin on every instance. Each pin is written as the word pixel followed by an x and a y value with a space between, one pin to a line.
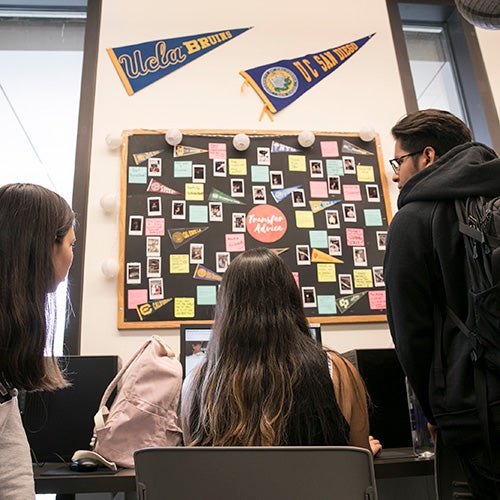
pixel 205 94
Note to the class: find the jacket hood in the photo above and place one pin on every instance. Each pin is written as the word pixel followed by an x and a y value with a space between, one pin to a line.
pixel 471 169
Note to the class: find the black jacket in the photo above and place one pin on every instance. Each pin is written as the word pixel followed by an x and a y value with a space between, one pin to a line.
pixel 424 270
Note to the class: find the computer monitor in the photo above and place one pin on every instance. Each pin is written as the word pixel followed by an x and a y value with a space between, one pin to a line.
pixel 57 423
pixel 194 342
pixel 385 382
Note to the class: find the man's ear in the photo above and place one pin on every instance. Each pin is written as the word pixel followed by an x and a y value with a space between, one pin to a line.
pixel 430 156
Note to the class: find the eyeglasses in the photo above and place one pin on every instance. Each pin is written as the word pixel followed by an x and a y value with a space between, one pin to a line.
pixel 397 162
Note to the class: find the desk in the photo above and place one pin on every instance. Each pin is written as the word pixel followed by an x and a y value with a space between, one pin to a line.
pixel 394 463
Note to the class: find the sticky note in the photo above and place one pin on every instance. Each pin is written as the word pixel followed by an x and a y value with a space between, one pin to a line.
pixel 318 239
pixel 326 273
pixel 137 175
pixel 184 307
pixel 304 219
pixel 194 192
pixel 179 264
pixel 260 173
pixel 206 295
pixel 363 278
pixel 365 173
pixel 136 297
pixel 373 217
pixel 318 189
pixel 183 169
pixel 198 213
pixel 326 304
pixel 237 166
pixel 297 163
pixel 329 148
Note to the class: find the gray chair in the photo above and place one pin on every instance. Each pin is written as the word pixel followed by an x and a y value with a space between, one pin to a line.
pixel 449 475
pixel 257 473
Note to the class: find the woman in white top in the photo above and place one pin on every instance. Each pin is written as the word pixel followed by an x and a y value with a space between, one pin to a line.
pixel 36 249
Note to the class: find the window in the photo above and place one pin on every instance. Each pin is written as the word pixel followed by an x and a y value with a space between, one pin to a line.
pixel 41 53
pixel 441 66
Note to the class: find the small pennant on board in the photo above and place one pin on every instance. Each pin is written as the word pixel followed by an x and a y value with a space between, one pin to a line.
pixel 345 303
pixel 181 236
pixel 319 256
pixel 280 194
pixel 142 157
pixel 350 148
pixel 317 206
pixel 181 150
pixel 157 187
pixel 150 307
pixel 216 195
pixel 204 273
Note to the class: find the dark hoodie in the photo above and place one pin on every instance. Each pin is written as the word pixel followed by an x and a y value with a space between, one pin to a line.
pixel 424 270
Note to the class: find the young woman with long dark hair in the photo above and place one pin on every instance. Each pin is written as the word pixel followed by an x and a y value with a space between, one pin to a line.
pixel 265 381
pixel 36 251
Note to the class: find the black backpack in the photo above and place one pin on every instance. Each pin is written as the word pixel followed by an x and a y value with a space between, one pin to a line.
pixel 479 222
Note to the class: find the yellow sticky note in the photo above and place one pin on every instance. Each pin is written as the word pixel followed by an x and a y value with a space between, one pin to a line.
pixel 297 163
pixel 363 278
pixel 365 173
pixel 237 166
pixel 304 218
pixel 194 192
pixel 179 264
pixel 184 307
pixel 326 272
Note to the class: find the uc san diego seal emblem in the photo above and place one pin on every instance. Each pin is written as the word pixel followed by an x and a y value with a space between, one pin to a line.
pixel 279 82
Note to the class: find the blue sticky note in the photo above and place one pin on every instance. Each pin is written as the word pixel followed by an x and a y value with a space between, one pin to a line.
pixel 373 217
pixel 183 168
pixel 137 175
pixel 198 213
pixel 206 295
pixel 326 304
pixel 334 167
pixel 318 239
pixel 260 173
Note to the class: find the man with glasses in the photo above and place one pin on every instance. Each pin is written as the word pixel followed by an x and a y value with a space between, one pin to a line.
pixel 435 163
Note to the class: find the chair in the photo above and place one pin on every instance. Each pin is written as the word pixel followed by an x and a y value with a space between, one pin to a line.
pixel 258 473
pixel 449 476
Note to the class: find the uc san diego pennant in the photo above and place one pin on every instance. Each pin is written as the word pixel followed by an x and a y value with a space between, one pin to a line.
pixel 142 64
pixel 279 84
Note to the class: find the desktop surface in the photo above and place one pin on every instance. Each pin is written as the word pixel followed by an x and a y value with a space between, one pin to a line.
pixel 56 477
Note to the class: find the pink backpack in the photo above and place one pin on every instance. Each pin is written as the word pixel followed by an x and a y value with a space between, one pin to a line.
pixel 144 412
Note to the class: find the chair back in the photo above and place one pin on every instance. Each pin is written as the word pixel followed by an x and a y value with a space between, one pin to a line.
pixel 449 475
pixel 263 473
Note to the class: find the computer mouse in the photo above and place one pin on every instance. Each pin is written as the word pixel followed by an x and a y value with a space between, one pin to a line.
pixel 84 465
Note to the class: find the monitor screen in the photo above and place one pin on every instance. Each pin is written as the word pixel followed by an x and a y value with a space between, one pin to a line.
pixel 194 341
pixel 57 423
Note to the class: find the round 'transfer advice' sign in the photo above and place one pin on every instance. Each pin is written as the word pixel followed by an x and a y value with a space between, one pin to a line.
pixel 266 223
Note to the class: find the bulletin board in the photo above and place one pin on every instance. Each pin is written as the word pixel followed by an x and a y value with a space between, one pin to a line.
pixel 188 210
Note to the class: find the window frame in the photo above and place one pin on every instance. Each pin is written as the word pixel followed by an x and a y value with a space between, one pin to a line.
pixel 72 335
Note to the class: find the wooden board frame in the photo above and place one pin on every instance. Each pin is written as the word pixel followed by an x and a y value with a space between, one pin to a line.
pixel 150 309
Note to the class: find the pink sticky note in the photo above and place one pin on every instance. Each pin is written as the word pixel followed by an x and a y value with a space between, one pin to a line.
pixel 318 189
pixel 217 151
pixel 329 148
pixel 136 297
pixel 352 192
pixel 355 237
pixel 296 277
pixel 377 300
pixel 235 242
pixel 155 227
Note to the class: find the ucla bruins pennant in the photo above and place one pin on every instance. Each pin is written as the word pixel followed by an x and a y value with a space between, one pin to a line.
pixel 142 64
pixel 279 84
